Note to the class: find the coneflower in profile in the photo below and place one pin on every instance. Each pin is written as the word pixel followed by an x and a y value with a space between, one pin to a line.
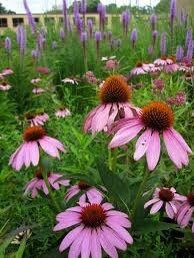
pixel 34 138
pixel 114 96
pixel 31 20
pixel 134 37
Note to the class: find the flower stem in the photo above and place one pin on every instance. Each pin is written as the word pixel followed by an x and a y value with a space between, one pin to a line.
pixel 52 198
pixel 141 189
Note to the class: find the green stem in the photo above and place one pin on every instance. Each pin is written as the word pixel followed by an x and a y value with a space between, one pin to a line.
pixel 112 159
pixel 55 204
pixel 141 189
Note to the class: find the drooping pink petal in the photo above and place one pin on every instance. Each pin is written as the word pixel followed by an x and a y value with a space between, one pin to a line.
pixel 156 207
pixel 122 232
pixel 181 212
pixel 55 142
pixel 180 139
pixel 34 153
pixel 107 206
pixel 86 244
pixel 94 196
pixel 49 148
pixel 153 151
pixel 45 189
pixel 114 238
pixel 169 210
pixel 75 248
pixel 106 245
pixel 70 237
pixel 88 120
pixel 150 202
pixel 27 159
pixel 96 251
pixel 71 193
pixel 66 223
pixel 100 119
pixel 142 144
pixel 186 218
pixel 124 135
pixel 19 158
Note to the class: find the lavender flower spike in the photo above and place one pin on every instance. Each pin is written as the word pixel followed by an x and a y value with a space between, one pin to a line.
pixel 172 13
pixel 153 21
pixel 125 21
pixel 62 34
pixel 154 37
pixel 31 20
pixel 75 8
pixel 179 53
pixel 98 38
pixel 90 27
pixel 188 37
pixel 21 39
pixel 83 6
pixel 8 44
pixel 83 36
pixel 134 37
pixel 163 44
pixel 64 11
pixel 190 50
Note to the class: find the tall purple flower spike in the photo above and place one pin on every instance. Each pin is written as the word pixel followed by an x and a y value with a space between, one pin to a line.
pixel 21 39
pixel 64 12
pixel 153 21
pixel 190 50
pixel 179 53
pixel 134 37
pixel 8 44
pixel 90 27
pixel 62 34
pixel 31 20
pixel 172 13
pixel 83 6
pixel 163 44
pixel 188 37
pixel 125 21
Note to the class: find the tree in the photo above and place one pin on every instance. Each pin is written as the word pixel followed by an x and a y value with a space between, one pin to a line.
pixel 162 6
pixel 4 11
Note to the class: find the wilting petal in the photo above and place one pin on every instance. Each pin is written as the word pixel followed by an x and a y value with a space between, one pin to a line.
pixel 153 151
pixel 150 202
pixel 156 207
pixel 49 148
pixel 124 135
pixel 34 153
pixel 142 144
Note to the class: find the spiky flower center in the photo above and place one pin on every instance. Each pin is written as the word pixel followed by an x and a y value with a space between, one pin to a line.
pixel 163 57
pixel 190 199
pixel 4 83
pixel 93 215
pixel 139 64
pixel 115 90
pixel 166 195
pixel 34 133
pixel 39 174
pixel 157 115
pixel 83 185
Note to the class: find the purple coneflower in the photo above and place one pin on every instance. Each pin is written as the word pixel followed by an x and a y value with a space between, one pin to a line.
pixel 114 95
pixel 62 112
pixel 4 86
pixel 7 71
pixel 165 198
pixel 97 227
pixel 38 90
pixel 88 193
pixel 155 119
pixel 55 180
pixel 27 153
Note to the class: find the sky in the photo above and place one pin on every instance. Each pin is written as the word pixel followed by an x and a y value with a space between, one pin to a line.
pixel 39 6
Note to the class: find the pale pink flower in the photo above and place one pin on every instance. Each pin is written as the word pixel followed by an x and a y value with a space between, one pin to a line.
pixel 178 100
pixel 38 90
pixel 38 183
pixel 37 119
pixel 4 86
pixel 114 95
pixel 171 68
pixel 186 211
pixel 90 77
pixel 7 71
pixel 111 64
pixel 163 61
pixel 97 227
pixel 155 119
pixel 140 69
pixel 62 112
pixel 88 193
pixel 36 80
pixel 165 198
pixel 34 138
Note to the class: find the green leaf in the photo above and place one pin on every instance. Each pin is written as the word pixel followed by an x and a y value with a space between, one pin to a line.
pixel 149 225
pixel 118 188
pixel 21 249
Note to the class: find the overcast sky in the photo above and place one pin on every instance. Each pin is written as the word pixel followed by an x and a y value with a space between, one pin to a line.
pixel 39 6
